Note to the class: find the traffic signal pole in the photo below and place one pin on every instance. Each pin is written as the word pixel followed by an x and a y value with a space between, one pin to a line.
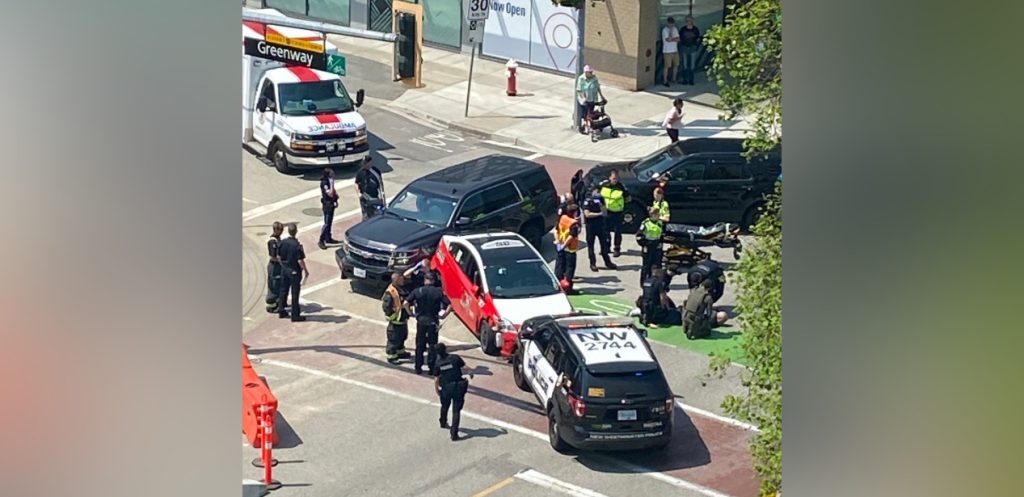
pixel 323 27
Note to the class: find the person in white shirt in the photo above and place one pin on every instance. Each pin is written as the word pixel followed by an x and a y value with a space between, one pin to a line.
pixel 674 120
pixel 670 51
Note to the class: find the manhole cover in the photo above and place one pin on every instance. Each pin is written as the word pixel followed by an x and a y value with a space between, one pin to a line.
pixel 313 211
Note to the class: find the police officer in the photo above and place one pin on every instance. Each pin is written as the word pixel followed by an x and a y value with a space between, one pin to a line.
pixel 649 239
pixel 329 202
pixel 698 317
pixel 708 270
pixel 661 204
pixel 370 184
pixel 615 199
pixel 293 259
pixel 655 305
pixel 429 304
pixel 595 216
pixel 273 266
pixel 450 384
pixel 398 317
pixel 567 242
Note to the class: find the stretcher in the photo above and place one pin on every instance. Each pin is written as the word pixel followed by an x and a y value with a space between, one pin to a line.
pixel 683 243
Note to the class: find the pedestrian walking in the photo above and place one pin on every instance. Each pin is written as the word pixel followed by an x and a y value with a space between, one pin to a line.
pixel 588 93
pixel 690 41
pixel 370 185
pixel 674 120
pixel 670 51
pixel 659 204
pixel 329 202
pixel 567 242
pixel 595 216
pixel 615 199
pixel 274 266
pixel 451 384
pixel 649 239
pixel 398 319
pixel 430 305
pixel 293 260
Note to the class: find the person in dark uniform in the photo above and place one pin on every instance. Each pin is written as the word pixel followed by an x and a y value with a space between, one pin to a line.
pixel 429 304
pixel 273 267
pixel 615 198
pixel 595 214
pixel 698 315
pixel 293 259
pixel 398 317
pixel 708 269
pixel 329 202
pixel 450 384
pixel 649 239
pixel 656 308
pixel 370 184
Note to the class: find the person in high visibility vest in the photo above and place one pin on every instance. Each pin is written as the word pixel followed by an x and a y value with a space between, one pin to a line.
pixel 661 205
pixel 615 198
pixel 649 239
pixel 398 319
pixel 567 242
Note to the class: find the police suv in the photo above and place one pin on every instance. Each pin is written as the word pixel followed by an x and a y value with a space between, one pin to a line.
pixel 598 381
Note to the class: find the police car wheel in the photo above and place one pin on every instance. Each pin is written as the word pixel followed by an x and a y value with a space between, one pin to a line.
pixel 487 344
pixel 280 160
pixel 554 437
pixel 518 375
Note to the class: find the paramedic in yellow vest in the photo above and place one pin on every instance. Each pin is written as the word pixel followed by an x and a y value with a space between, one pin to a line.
pixel 661 205
pixel 398 319
pixel 649 239
pixel 615 199
pixel 567 242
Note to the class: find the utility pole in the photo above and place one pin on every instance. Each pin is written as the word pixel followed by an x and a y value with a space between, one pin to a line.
pixel 580 12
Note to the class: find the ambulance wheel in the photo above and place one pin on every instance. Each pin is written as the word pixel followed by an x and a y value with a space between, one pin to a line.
pixel 487 344
pixel 279 158
pixel 518 373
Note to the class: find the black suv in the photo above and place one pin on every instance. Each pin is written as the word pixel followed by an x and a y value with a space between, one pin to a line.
pixel 495 192
pixel 598 381
pixel 709 182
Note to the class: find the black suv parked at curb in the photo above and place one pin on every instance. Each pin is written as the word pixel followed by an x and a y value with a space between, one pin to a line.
pixel 598 381
pixel 495 192
pixel 710 181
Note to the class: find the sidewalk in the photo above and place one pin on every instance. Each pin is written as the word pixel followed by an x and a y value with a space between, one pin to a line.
pixel 539 117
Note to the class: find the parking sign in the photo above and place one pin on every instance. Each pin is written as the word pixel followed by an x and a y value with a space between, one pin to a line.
pixel 478 10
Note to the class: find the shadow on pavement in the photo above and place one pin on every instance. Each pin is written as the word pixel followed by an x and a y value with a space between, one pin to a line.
pixel 482 433
pixel 686 450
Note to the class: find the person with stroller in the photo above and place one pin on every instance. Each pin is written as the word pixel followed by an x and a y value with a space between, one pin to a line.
pixel 588 93
pixel 649 239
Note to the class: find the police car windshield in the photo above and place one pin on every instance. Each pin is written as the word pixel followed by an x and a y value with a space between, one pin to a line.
pixel 422 207
pixel 314 97
pixel 657 163
pixel 515 273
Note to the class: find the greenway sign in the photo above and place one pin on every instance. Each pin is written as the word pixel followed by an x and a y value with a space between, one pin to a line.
pixel 284 53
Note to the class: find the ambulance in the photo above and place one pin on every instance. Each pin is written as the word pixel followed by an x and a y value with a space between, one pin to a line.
pixel 295 115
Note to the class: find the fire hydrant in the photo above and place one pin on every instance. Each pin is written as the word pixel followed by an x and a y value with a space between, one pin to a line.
pixel 510 73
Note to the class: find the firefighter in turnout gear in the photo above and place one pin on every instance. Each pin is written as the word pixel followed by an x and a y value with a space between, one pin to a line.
pixel 615 198
pixel 567 242
pixel 398 319
pixel 649 239
pixel 274 266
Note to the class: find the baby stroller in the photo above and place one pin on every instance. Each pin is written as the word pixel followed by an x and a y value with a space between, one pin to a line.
pixel 685 242
pixel 597 120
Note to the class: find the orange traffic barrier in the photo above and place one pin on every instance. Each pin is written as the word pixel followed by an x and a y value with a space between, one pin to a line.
pixel 257 400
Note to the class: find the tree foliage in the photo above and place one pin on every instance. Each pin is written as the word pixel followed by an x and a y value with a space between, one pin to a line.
pixel 748 67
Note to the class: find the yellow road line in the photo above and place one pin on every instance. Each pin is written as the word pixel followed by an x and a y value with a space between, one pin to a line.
pixel 494 488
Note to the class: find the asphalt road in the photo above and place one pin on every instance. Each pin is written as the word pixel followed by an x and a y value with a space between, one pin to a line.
pixel 353 425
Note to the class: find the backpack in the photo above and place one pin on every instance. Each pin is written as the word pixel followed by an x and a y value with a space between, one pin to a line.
pixel 697 314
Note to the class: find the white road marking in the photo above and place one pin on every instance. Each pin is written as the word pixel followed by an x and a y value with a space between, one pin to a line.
pixel 496 422
pixel 263 210
pixel 551 483
pixel 719 417
pixel 317 225
pixel 250 201
pixel 533 156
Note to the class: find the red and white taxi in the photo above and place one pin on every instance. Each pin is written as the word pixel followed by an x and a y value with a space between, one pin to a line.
pixel 496 281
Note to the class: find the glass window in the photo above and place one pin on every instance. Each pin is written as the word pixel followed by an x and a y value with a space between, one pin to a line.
pixel 501 196
pixel 689 171
pixel 727 170
pixel 657 163
pixel 473 207
pixel 336 11
pixel 268 91
pixel 516 279
pixel 458 253
pixel 442 22
pixel 422 207
pixel 536 183
pixel 317 97
pixel 553 353
pixel 296 6
pixel 542 338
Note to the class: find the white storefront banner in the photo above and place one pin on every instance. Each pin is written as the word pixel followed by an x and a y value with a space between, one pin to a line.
pixel 534 32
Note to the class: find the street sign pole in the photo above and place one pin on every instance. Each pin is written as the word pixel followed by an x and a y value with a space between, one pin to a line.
pixel 476 15
pixel 469 83
pixel 579 65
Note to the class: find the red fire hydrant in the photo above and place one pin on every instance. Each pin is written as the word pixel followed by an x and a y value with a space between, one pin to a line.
pixel 510 72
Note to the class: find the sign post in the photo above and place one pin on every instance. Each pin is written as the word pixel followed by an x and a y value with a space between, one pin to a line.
pixel 477 14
